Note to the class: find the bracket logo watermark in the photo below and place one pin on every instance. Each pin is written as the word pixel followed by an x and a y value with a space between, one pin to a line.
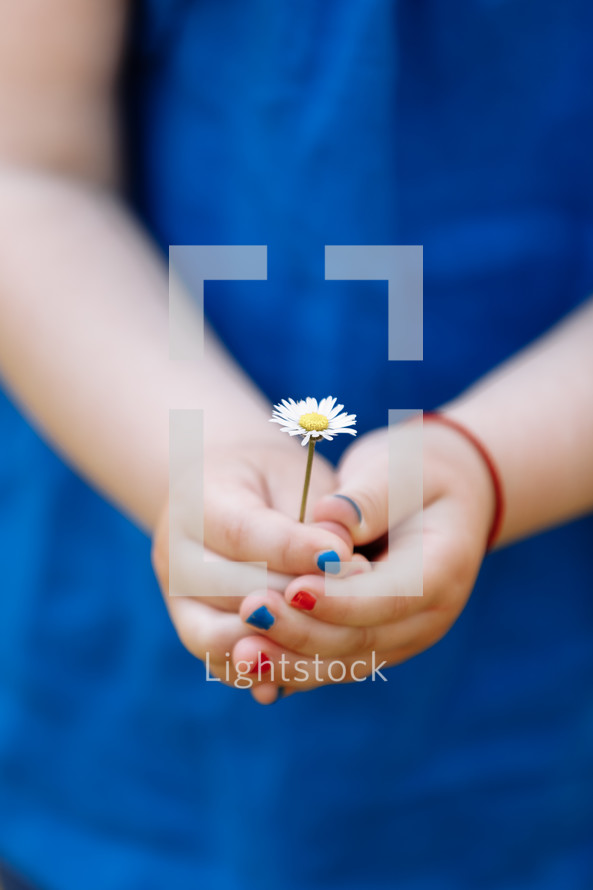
pixel 189 268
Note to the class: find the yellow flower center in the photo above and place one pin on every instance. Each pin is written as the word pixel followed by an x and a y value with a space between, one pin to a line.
pixel 313 421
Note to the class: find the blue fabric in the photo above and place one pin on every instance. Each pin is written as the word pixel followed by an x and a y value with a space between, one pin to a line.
pixel 466 127
pixel 9 881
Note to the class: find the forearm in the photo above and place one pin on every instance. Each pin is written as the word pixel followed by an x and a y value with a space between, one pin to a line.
pixel 84 340
pixel 535 414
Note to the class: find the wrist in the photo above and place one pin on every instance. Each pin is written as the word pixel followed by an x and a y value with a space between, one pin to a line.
pixel 467 469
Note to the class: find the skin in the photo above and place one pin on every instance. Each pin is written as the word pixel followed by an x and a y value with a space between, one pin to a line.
pixel 84 305
pixel 83 315
pixel 542 395
pixel 262 485
pixel 457 512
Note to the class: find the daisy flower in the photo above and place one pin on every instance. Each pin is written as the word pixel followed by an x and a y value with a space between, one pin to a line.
pixel 311 420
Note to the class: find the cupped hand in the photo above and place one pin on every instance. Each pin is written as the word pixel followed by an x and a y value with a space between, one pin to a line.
pixel 374 620
pixel 244 511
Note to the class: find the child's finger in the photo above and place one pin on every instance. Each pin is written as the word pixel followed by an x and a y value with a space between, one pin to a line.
pixel 269 693
pixel 391 592
pixel 362 500
pixel 301 634
pixel 206 632
pixel 211 636
pixel 199 578
pixel 239 526
pixel 296 673
pixel 268 613
pixel 266 663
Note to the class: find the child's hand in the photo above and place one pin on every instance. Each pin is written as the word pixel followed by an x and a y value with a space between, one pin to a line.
pixel 208 631
pixel 250 496
pixel 458 509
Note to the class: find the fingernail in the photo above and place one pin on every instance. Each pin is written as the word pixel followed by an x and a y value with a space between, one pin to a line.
pixel 303 600
pixel 329 561
pixel 352 503
pixel 281 691
pixel 263 665
pixel 262 618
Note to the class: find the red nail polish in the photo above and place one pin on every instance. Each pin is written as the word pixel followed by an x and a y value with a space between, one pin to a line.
pixel 262 666
pixel 303 600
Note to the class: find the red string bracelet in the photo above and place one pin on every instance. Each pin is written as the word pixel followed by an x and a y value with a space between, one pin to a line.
pixel 492 469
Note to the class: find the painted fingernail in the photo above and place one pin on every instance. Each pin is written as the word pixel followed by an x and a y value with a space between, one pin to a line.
pixel 281 691
pixel 329 561
pixel 303 600
pixel 262 618
pixel 262 665
pixel 352 503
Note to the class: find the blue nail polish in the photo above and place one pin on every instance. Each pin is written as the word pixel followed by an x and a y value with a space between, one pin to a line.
pixel 329 561
pixel 352 504
pixel 281 691
pixel 262 618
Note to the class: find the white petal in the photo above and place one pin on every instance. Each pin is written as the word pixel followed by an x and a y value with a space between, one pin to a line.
pixel 287 409
pixel 342 429
pixel 343 420
pixel 337 425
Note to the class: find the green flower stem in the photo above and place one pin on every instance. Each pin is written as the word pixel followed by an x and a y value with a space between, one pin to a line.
pixel 312 442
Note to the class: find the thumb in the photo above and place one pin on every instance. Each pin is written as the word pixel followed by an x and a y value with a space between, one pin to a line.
pixel 380 485
pixel 240 527
pixel 361 504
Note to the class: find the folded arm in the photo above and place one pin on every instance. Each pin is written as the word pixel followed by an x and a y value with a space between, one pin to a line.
pixel 83 290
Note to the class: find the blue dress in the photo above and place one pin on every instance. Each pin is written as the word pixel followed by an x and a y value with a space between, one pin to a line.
pixel 466 127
